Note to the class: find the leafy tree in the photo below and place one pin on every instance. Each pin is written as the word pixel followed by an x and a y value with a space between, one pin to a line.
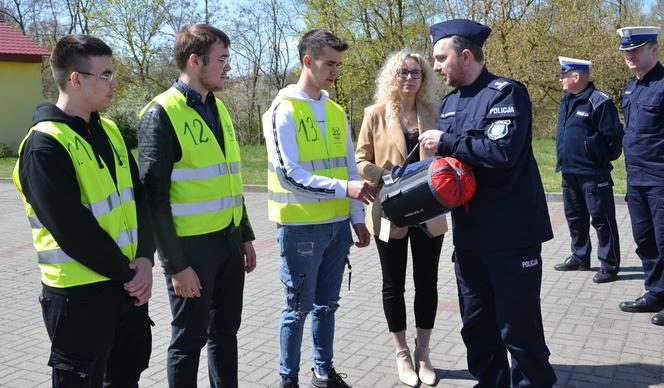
pixel 527 38
pixel 374 29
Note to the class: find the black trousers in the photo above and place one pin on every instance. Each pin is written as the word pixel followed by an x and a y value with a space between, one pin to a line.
pixel 214 318
pixel 393 259
pixel 499 301
pixel 645 204
pixel 586 198
pixel 98 337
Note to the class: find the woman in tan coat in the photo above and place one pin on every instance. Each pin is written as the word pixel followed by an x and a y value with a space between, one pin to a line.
pixel 404 108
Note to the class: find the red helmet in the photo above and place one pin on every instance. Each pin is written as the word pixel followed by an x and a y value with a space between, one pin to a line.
pixel 427 189
pixel 452 180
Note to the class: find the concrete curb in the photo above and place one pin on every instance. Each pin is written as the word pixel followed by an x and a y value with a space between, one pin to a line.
pixel 550 197
pixel 558 197
pixel 255 188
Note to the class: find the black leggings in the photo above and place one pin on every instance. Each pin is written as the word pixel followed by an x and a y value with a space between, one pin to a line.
pixel 393 259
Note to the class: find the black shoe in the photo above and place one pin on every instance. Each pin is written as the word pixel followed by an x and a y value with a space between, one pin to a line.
pixel 572 263
pixel 641 305
pixel 288 382
pixel 658 319
pixel 334 380
pixel 604 276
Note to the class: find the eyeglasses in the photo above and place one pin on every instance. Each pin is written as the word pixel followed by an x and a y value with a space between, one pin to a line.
pixel 566 73
pixel 225 61
pixel 414 74
pixel 106 76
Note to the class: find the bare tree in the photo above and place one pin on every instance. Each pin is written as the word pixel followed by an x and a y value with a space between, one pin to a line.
pixel 184 12
pixel 14 11
pixel 281 40
pixel 135 27
pixel 261 41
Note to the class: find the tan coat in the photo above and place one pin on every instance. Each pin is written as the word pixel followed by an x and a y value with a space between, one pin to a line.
pixel 381 145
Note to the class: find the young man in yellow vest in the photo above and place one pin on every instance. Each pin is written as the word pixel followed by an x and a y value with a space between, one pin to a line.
pixel 189 160
pixel 94 241
pixel 314 190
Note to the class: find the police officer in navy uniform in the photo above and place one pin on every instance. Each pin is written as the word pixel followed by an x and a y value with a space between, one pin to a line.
pixel 486 121
pixel 589 137
pixel 643 108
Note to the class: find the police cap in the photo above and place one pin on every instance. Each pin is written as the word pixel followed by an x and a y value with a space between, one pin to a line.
pixel 471 30
pixel 567 64
pixel 635 37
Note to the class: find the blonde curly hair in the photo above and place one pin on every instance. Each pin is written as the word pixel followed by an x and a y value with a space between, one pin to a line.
pixel 387 83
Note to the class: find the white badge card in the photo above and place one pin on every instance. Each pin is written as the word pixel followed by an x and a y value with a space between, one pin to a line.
pixel 385 226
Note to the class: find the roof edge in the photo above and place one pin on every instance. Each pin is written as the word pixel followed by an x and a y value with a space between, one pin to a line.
pixel 30 58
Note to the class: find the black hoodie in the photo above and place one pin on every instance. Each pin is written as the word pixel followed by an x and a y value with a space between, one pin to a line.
pixel 49 184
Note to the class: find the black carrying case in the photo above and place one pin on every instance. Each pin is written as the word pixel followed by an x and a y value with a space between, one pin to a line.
pixel 410 199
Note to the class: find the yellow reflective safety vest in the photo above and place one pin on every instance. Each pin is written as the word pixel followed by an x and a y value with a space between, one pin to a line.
pixel 324 156
pixel 112 206
pixel 206 184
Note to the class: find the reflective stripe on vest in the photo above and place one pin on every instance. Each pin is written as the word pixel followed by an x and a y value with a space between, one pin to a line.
pixel 110 202
pixel 55 256
pixel 324 156
pixel 206 181
pixel 318 164
pixel 188 174
pixel 187 209
pixel 290 198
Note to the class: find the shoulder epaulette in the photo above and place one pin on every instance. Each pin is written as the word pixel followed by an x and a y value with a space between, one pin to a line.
pixel 598 97
pixel 500 84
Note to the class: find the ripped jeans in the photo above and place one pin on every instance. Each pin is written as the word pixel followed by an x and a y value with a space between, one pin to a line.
pixel 312 267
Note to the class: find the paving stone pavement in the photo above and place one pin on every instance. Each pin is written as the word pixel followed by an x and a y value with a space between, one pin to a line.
pixel 592 343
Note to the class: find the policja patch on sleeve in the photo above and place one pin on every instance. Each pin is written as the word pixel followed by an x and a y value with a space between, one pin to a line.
pixel 498 129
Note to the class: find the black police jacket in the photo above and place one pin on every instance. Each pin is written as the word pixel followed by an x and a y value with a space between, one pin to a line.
pixel 589 133
pixel 643 108
pixel 488 125
pixel 50 185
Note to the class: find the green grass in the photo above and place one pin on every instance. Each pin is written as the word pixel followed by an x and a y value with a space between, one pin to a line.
pixel 254 164
pixel 7 166
pixel 545 153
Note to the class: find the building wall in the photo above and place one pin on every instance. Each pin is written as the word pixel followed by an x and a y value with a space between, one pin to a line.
pixel 21 92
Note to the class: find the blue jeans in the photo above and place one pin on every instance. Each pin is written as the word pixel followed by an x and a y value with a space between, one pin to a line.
pixel 312 268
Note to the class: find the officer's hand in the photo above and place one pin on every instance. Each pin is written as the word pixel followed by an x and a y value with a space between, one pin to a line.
pixel 364 191
pixel 140 286
pixel 363 235
pixel 186 283
pixel 249 257
pixel 429 140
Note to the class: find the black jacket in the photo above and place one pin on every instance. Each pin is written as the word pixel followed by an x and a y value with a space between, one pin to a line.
pixel 488 125
pixel 643 108
pixel 589 133
pixel 49 183
pixel 158 151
